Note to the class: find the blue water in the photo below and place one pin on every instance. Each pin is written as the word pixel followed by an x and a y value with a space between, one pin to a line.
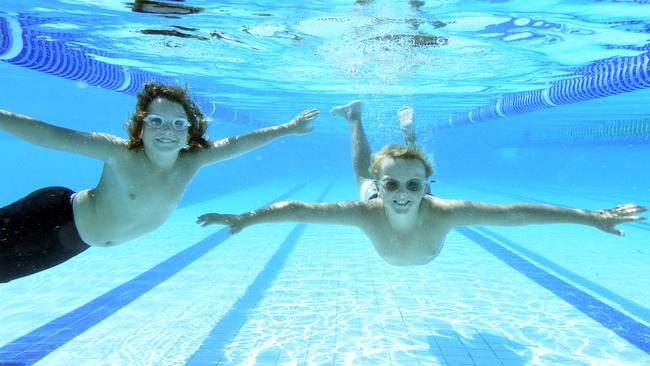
pixel 521 102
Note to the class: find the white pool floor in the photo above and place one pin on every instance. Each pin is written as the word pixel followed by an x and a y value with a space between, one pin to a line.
pixel 288 294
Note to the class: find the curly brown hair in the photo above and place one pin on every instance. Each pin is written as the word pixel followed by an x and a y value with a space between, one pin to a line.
pixel 400 152
pixel 153 90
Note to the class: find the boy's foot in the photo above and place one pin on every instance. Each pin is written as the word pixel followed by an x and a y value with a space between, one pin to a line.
pixel 350 111
pixel 405 116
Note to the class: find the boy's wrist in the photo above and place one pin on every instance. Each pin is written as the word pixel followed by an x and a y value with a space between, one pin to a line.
pixel 246 218
pixel 592 217
pixel 289 127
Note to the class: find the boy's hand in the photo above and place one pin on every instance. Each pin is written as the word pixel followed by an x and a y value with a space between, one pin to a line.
pixel 235 222
pixel 300 124
pixel 607 219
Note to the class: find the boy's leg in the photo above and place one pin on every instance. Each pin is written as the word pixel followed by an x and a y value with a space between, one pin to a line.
pixel 360 146
pixel 37 233
pixel 405 116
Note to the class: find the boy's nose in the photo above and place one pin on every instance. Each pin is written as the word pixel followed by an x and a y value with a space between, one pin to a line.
pixel 402 193
pixel 167 129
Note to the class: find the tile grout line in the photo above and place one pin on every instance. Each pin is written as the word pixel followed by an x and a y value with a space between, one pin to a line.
pixel 629 305
pixel 212 349
pixel 627 328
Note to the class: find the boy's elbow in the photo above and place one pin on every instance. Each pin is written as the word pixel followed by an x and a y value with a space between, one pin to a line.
pixel 288 206
pixel 285 205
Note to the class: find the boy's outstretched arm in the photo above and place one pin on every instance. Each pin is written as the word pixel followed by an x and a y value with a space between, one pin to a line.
pixel 475 213
pixel 342 213
pixel 233 146
pixel 92 144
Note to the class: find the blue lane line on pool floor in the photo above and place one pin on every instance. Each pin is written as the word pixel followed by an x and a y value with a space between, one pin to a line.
pixel 612 319
pixel 212 349
pixel 628 305
pixel 44 340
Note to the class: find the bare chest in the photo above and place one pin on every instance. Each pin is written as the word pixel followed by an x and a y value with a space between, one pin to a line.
pixel 134 187
pixel 419 246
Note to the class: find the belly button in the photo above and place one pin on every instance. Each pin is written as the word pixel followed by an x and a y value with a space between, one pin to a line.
pixel 132 196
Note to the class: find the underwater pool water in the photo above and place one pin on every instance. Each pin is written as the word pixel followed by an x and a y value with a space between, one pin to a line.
pixel 514 102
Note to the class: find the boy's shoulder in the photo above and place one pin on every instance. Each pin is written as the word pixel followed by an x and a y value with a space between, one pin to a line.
pixel 442 204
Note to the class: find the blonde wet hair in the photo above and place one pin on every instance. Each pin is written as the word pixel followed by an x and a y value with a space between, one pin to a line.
pixel 400 152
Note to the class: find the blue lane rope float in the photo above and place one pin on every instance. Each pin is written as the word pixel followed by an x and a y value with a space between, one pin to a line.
pixel 50 53
pixel 601 79
pixel 626 131
pixel 5 38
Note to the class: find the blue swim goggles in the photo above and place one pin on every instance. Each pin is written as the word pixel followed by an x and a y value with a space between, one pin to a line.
pixel 156 121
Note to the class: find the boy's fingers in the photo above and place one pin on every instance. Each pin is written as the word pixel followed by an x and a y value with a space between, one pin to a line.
pixel 614 231
pixel 631 208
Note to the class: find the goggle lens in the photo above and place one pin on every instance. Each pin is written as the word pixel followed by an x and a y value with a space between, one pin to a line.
pixel 412 185
pixel 156 121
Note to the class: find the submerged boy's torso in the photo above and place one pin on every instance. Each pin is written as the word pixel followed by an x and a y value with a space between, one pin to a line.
pixel 420 245
pixel 132 198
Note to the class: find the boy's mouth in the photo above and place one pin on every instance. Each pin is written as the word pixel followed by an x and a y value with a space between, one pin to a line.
pixel 401 206
pixel 166 140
